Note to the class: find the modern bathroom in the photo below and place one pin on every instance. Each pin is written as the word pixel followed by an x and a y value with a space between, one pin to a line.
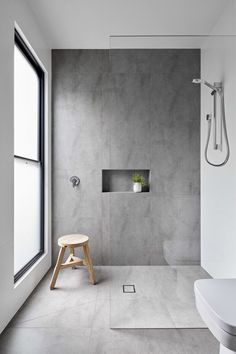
pixel 118 152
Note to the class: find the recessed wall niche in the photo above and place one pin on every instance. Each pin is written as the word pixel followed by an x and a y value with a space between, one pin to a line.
pixel 121 180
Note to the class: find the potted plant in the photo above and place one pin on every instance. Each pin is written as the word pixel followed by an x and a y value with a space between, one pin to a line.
pixel 138 183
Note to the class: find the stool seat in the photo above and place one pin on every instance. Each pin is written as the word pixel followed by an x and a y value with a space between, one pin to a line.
pixel 75 240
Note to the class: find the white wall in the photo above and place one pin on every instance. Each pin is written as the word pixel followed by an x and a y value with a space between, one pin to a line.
pixel 218 184
pixel 92 21
pixel 11 296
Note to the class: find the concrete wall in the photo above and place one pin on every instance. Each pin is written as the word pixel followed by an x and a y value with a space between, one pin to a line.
pixel 218 185
pixel 13 296
pixel 128 109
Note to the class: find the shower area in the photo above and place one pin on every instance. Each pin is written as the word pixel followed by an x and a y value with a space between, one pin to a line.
pixel 135 109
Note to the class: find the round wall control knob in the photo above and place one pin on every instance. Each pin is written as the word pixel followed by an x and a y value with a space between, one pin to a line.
pixel 75 181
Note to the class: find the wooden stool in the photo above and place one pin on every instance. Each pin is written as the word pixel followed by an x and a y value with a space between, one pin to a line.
pixel 72 241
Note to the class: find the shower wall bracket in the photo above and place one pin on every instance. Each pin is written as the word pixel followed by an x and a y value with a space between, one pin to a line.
pixel 217 120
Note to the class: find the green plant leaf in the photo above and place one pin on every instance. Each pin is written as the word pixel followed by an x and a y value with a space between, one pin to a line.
pixel 136 178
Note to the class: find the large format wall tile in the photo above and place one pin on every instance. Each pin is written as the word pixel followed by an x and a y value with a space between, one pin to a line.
pixel 128 109
pixel 127 113
pixel 176 221
pixel 130 239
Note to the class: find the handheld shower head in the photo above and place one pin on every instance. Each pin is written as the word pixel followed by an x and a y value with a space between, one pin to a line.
pixel 217 86
pixel 197 81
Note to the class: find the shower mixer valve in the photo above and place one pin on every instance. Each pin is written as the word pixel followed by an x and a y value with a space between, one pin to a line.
pixel 75 181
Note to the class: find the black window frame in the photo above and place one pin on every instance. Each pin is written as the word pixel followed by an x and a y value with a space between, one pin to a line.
pixel 22 46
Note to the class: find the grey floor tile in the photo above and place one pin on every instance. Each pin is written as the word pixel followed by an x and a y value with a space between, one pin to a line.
pixel 44 341
pixel 104 277
pixel 165 341
pixel 75 317
pixel 101 317
pixel 152 341
pixel 118 341
pixel 80 316
pixel 140 313
pixel 198 341
pixel 182 341
pixel 72 289
pixel 184 315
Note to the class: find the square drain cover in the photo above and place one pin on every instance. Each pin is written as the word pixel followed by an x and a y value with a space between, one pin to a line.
pixel 129 289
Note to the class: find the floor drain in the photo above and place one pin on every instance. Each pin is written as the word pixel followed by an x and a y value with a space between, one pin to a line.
pixel 129 289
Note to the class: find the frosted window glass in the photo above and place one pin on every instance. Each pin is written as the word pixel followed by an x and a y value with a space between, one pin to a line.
pixel 26 97
pixel 26 212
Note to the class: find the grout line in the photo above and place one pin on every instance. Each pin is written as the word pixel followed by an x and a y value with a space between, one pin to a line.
pixel 53 312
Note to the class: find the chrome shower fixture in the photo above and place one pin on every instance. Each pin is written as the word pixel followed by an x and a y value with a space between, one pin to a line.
pixel 75 181
pixel 217 86
pixel 219 121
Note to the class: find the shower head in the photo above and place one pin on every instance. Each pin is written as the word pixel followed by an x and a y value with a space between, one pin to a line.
pixel 197 81
pixel 216 87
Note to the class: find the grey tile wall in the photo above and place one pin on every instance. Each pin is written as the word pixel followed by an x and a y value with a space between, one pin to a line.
pixel 128 109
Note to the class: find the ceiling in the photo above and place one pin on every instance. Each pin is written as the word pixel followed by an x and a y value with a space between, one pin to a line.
pixel 89 23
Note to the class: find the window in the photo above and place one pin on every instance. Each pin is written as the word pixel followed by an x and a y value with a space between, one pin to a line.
pixel 28 158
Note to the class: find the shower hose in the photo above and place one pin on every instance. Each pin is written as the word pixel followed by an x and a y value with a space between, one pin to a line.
pixel 225 134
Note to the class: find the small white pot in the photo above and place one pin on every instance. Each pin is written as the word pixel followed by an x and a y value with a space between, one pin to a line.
pixel 137 187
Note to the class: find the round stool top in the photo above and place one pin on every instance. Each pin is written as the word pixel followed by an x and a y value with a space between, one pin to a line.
pixel 73 240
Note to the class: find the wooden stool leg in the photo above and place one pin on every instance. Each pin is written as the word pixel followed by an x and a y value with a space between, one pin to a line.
pixel 89 263
pixel 72 250
pixel 72 253
pixel 57 267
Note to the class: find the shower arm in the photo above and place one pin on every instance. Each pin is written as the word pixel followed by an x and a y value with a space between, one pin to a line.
pixel 214 88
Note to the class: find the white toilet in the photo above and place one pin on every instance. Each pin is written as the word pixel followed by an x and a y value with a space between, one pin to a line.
pixel 216 303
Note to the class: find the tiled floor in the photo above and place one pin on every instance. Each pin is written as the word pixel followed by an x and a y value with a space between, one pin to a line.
pixel 74 318
pixel 164 297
